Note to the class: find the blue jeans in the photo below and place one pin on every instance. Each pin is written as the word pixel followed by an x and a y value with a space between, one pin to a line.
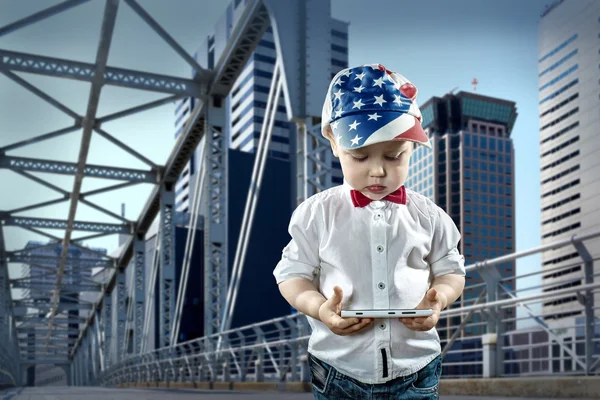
pixel 330 384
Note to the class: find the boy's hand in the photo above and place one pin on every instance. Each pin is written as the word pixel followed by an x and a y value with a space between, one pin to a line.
pixel 432 300
pixel 329 314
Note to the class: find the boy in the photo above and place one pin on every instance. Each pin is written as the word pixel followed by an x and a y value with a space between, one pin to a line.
pixel 372 244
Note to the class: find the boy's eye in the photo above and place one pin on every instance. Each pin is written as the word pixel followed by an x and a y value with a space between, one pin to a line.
pixel 391 158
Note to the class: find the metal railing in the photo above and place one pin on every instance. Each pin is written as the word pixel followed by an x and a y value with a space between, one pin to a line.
pixel 482 335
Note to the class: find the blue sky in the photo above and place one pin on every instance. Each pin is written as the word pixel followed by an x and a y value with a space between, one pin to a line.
pixel 438 45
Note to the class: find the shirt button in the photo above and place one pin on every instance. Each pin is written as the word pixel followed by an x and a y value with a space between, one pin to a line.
pixel 381 285
pixel 382 327
pixel 378 216
pixel 380 248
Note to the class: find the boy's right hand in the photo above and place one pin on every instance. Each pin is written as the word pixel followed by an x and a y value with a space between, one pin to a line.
pixel 330 311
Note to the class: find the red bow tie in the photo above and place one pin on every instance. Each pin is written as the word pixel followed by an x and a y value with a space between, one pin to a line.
pixel 360 200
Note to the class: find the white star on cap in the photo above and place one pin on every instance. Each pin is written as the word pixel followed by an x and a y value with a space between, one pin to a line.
pixel 347 73
pixel 355 140
pixel 339 137
pixel 338 94
pixel 335 124
pixel 378 82
pixel 360 76
pixel 358 104
pixel 379 100
pixel 359 88
pixel 339 81
pixel 373 116
pixel 354 125
pixel 398 100
pixel 338 113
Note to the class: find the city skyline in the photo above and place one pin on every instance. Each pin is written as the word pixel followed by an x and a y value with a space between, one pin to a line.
pixel 430 84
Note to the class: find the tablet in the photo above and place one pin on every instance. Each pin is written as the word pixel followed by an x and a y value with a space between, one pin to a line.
pixel 391 313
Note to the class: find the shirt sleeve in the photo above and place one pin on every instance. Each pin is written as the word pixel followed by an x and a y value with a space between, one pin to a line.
pixel 300 258
pixel 444 256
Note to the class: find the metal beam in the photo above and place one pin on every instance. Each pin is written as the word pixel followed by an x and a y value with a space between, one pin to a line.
pixel 59 344
pixel 43 330
pixel 66 168
pixel 108 25
pixel 167 282
pixel 76 288
pixel 46 223
pixel 45 320
pixel 125 148
pixel 13 257
pixel 38 205
pixel 29 361
pixel 250 25
pixel 244 38
pixel 44 96
pixel 139 294
pixel 201 73
pixel 61 68
pixel 137 109
pixel 54 241
pixel 46 305
pixel 39 16
pixel 215 233
pixel 37 139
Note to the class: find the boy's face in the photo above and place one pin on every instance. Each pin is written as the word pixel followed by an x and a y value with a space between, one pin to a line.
pixel 376 170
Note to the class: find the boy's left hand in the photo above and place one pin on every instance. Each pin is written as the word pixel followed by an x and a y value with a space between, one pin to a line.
pixel 433 300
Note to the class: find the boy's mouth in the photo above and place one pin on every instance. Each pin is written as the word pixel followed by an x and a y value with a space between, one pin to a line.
pixel 375 188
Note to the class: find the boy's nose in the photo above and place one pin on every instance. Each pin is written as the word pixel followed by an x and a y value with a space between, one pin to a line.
pixel 376 169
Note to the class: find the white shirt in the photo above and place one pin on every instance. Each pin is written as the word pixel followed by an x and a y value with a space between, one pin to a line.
pixel 382 256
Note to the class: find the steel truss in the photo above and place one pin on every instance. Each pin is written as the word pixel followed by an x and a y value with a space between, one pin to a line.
pixel 107 327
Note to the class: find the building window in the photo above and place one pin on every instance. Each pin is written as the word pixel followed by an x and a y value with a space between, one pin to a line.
pixel 561 188
pixel 338 34
pixel 561 146
pixel 560 91
pixel 561 118
pixel 562 230
pixel 339 49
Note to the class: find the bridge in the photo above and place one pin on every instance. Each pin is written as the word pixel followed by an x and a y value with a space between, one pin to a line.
pixel 498 341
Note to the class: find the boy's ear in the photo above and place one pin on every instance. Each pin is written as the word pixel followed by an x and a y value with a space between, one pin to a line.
pixel 332 142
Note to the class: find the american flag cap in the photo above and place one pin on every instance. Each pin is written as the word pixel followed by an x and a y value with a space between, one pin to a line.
pixel 370 104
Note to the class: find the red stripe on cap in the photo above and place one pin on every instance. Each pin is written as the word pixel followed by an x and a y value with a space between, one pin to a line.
pixel 415 134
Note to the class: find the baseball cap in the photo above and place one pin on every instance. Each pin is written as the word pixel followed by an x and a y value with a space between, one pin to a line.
pixel 370 104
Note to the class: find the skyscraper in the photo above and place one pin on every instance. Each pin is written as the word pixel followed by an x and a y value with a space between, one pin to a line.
pixel 469 172
pixel 42 275
pixel 569 42
pixel 247 100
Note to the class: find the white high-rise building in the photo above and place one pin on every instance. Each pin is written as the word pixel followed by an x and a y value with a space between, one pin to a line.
pixel 247 100
pixel 569 104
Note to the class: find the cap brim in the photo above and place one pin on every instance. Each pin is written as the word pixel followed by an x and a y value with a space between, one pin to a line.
pixel 415 134
pixel 391 127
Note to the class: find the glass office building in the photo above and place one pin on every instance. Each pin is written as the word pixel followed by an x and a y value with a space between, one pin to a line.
pixel 469 173
pixel 569 79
